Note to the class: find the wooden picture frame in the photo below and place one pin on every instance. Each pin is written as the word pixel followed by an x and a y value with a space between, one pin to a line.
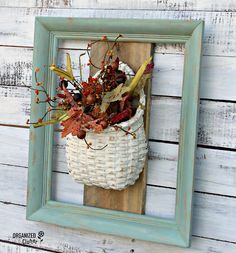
pixel 40 206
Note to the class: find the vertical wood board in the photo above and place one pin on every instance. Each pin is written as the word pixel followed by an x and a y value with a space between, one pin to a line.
pixel 131 199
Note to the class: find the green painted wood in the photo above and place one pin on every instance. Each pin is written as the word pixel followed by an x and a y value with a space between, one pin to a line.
pixel 37 136
pixel 112 222
pixel 188 131
pixel 123 26
pixel 40 207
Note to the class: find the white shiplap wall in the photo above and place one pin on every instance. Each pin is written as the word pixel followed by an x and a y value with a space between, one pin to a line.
pixel 214 216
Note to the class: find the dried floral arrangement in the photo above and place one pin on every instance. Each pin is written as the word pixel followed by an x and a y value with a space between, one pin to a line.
pixel 105 100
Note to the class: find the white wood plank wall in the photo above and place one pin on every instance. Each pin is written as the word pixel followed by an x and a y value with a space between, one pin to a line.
pixel 214 215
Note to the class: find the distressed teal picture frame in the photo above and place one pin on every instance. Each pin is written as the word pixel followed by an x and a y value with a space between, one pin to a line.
pixel 40 206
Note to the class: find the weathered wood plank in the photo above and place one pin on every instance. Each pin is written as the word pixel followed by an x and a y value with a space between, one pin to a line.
pixel 217 76
pixel 165 115
pixel 219 36
pixel 162 162
pixel 216 82
pixel 13 248
pixel 132 4
pixel 61 185
pixel 131 199
pixel 214 173
pixel 209 212
pixel 92 4
pixel 11 189
pixel 203 5
pixel 14 146
pixel 37 3
pixel 14 104
pixel 69 240
pixel 16 66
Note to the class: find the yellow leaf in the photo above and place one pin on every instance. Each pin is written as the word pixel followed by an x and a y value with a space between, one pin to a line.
pixel 62 73
pixel 141 84
pixel 63 117
pixel 68 65
pixel 138 75
pixel 45 123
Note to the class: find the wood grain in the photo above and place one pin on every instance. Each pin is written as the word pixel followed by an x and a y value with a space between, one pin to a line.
pixel 178 5
pixel 16 66
pixel 10 189
pixel 131 199
pixel 216 78
pixel 219 37
pixel 12 248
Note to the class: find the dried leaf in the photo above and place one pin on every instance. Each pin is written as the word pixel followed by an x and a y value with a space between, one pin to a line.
pixel 68 65
pixel 62 73
pixel 141 84
pixel 126 114
pixel 138 75
pixel 68 127
pixel 45 123
pixel 112 96
pixel 57 117
pixel 59 114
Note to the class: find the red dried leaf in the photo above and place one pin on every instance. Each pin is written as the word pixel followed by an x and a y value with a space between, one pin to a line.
pixel 126 114
pixel 61 95
pixel 149 68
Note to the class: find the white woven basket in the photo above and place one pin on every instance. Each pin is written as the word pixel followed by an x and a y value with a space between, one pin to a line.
pixel 116 166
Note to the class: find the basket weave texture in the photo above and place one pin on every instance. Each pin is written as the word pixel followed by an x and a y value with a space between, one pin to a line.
pixel 116 166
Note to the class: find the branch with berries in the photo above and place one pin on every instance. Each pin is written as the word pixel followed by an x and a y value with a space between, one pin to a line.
pixel 94 104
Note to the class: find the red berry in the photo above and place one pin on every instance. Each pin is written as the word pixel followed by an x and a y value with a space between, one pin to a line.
pixel 104 124
pixel 77 97
pixel 91 99
pixel 81 134
pixel 36 92
pixel 63 83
